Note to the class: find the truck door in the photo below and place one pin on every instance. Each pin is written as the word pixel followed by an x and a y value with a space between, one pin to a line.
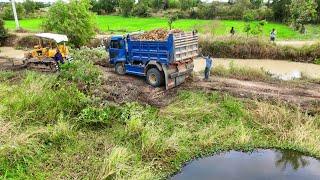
pixel 117 51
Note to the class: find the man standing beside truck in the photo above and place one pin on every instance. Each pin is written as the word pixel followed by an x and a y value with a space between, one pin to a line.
pixel 208 68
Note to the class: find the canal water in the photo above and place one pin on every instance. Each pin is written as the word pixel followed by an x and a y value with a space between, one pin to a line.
pixel 256 165
pixel 285 70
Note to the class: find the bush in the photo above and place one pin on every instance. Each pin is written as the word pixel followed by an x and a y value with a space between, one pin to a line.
pixel 3 32
pixel 73 19
pixel 104 6
pixel 126 7
pixel 7 13
pixel 82 70
pixel 141 10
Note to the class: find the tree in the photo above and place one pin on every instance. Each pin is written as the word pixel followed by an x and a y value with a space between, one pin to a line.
pixel 318 11
pixel 171 19
pixel 126 7
pixel 141 9
pixel 104 6
pixel 257 3
pixel 186 4
pixel 280 10
pixel 30 6
pixel 7 13
pixel 3 32
pixel 73 19
pixel 302 12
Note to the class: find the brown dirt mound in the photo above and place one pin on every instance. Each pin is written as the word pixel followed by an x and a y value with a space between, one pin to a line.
pixel 155 35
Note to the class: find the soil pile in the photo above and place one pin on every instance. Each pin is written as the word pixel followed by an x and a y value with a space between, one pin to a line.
pixel 155 35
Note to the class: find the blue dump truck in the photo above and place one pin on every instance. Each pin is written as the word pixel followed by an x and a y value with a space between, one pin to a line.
pixel 167 62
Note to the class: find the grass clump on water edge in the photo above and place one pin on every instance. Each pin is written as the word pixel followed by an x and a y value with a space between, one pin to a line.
pixel 243 73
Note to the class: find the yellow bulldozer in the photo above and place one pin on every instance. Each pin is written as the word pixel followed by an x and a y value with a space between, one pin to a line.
pixel 46 55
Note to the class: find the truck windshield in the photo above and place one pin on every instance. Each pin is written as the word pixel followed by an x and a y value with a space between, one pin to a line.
pixel 116 44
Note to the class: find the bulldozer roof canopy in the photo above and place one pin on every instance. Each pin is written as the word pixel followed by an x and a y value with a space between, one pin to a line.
pixel 56 37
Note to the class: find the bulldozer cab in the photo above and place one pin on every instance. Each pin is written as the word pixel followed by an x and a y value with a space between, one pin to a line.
pixel 48 45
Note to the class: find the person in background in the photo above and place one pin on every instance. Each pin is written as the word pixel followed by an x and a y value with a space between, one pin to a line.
pixel 208 68
pixel 232 31
pixel 273 35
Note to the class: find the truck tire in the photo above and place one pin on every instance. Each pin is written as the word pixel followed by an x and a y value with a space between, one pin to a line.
pixel 120 69
pixel 155 77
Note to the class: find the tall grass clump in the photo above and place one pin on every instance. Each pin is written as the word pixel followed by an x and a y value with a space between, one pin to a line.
pixel 243 73
pixel 6 75
pixel 255 48
pixel 40 99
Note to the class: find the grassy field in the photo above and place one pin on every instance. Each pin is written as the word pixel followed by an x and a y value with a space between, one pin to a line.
pixel 56 127
pixel 217 27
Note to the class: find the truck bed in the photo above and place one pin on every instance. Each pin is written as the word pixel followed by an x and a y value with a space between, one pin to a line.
pixel 177 47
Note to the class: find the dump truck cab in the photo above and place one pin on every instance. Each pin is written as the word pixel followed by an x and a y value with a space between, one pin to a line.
pixel 163 62
pixel 117 49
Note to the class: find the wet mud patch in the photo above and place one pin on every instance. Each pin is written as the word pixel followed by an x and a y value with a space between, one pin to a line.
pixel 127 88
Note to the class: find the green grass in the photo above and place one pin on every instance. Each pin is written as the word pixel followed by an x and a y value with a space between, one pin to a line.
pixel 217 27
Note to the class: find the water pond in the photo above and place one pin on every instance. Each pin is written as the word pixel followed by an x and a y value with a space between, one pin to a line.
pixel 259 164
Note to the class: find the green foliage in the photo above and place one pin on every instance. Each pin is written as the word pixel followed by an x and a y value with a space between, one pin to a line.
pixel 248 16
pixel 280 9
pixel 104 6
pixel 126 6
pixel 302 12
pixel 82 69
pixel 7 13
pixel 100 117
pixel 29 6
pixel 171 19
pixel 257 3
pixel 41 99
pixel 243 73
pixel 73 19
pixel 141 10
pixel 6 75
pixel 3 32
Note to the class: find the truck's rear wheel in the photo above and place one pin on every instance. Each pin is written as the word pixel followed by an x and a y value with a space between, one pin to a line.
pixel 120 69
pixel 155 77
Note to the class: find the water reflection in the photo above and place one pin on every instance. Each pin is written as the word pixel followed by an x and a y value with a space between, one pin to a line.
pixel 290 158
pixel 260 164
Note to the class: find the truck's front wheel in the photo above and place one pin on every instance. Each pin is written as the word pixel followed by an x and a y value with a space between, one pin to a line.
pixel 120 69
pixel 155 77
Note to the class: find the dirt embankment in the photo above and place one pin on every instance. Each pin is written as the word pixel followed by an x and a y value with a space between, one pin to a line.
pixel 121 89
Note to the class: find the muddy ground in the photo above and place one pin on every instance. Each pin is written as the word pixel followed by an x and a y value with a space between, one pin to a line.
pixel 121 89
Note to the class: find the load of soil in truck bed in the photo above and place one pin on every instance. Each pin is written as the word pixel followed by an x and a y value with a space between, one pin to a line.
pixel 155 35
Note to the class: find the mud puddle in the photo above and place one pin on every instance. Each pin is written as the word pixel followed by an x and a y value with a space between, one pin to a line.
pixel 260 164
